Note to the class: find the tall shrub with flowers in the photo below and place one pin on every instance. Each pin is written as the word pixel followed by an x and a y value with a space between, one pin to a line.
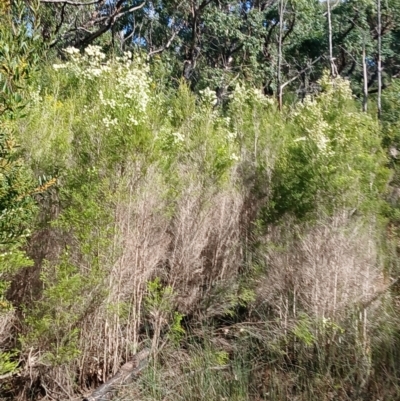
pixel 108 133
pixel 332 158
pixel 159 182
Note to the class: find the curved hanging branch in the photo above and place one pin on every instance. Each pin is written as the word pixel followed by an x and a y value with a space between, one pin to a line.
pixel 110 21
pixel 81 33
pixel 72 3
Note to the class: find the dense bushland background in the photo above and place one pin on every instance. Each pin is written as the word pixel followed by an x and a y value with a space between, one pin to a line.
pixel 209 180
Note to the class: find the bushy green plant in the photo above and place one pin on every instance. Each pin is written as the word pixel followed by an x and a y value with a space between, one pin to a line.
pixel 332 158
pixel 159 182
pixel 8 362
pixel 19 54
pixel 159 305
pixel 52 325
pixel 18 58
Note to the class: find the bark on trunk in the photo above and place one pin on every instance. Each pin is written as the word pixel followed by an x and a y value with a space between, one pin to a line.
pixel 365 83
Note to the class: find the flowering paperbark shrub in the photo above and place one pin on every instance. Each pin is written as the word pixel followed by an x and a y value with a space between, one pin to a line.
pixel 145 191
pixel 331 160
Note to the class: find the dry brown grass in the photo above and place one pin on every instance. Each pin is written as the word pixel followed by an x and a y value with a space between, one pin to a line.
pixel 190 243
pixel 195 242
pixel 325 269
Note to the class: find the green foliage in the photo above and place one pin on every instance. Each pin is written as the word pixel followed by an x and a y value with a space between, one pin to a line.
pixel 176 331
pixel 302 331
pixel 158 297
pixel 236 298
pixel 117 138
pixel 18 57
pixel 8 363
pixel 52 324
pixel 17 208
pixel 159 304
pixel 19 52
pixel 209 372
pixel 331 160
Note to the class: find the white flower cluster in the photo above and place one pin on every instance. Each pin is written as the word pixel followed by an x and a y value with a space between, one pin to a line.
pixel 133 83
pixel 109 122
pixel 170 140
pixel 35 96
pixel 310 118
pixel 339 86
pixel 311 114
pixel 239 94
pixel 73 54
pixel 95 53
pixel 107 102
pixel 208 97
pixel 178 137
pixel 261 98
pixel 90 65
pixel 95 66
pixel 126 58
pixel 230 136
pixel 72 51
pixel 125 83
pixel 59 66
pixel 318 133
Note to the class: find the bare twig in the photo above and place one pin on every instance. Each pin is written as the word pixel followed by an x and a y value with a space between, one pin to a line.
pixel 128 10
pixel 7 375
pixel 301 72
pixel 167 45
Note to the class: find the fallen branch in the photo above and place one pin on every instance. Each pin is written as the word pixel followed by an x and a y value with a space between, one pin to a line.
pixel 126 373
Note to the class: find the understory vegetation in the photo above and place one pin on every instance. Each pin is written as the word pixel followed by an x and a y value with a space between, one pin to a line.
pixel 252 246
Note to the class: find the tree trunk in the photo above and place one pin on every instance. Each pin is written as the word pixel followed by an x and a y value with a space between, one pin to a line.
pixel 365 79
pixel 280 39
pixel 331 59
pixel 379 59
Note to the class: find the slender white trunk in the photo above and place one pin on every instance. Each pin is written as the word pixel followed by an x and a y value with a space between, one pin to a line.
pixel 331 60
pixel 379 59
pixel 335 291
pixel 279 78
